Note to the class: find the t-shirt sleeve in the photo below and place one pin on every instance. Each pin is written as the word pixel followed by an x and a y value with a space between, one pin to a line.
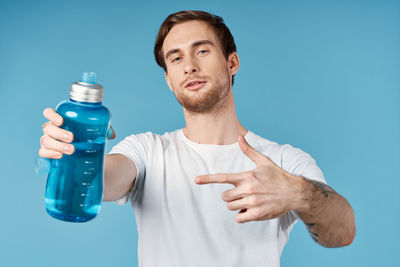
pixel 136 148
pixel 299 163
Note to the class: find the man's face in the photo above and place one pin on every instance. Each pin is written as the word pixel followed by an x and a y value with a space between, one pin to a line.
pixel 197 71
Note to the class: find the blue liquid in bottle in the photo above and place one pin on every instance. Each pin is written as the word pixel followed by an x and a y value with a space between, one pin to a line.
pixel 74 189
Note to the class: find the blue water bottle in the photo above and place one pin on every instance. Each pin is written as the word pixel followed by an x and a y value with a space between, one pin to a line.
pixel 74 188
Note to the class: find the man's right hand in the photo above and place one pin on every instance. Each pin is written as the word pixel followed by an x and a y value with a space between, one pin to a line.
pixel 55 141
pixel 119 171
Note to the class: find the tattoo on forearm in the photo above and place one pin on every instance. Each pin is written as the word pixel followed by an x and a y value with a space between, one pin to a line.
pixel 309 225
pixel 312 227
pixel 313 234
pixel 325 189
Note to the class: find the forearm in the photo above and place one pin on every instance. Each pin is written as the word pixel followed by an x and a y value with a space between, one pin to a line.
pixel 119 176
pixel 327 215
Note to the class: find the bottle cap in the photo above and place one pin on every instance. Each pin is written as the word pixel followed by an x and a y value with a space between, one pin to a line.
pixel 87 90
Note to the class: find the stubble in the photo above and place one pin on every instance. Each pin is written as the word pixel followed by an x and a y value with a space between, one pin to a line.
pixel 206 101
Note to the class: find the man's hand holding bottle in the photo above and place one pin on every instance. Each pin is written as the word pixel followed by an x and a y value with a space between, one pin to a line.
pixel 56 141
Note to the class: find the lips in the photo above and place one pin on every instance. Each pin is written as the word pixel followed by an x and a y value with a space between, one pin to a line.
pixel 195 84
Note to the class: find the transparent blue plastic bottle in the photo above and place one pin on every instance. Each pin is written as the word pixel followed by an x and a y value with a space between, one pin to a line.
pixel 74 189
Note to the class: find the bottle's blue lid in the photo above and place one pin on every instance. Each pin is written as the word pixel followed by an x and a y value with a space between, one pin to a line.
pixel 88 77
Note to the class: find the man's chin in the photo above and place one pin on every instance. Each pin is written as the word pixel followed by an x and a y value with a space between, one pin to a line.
pixel 203 105
pixel 202 100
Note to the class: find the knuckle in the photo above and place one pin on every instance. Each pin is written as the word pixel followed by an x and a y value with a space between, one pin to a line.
pixel 48 113
pixel 55 131
pixel 61 133
pixel 252 175
pixel 248 189
pixel 258 213
pixel 224 177
pixel 56 118
pixel 50 142
pixel 46 127
pixel 42 139
pixel 253 201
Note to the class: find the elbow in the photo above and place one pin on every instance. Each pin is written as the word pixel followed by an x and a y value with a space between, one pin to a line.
pixel 349 236
pixel 349 229
pixel 343 242
pixel 348 240
pixel 342 237
pixel 352 230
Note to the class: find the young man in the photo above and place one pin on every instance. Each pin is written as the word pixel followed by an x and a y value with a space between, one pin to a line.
pixel 212 193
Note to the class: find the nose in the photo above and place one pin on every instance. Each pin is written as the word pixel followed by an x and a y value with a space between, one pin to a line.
pixel 191 66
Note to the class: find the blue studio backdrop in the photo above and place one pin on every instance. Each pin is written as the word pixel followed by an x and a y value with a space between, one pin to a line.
pixel 323 76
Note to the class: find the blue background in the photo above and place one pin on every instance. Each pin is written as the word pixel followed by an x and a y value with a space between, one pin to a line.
pixel 323 76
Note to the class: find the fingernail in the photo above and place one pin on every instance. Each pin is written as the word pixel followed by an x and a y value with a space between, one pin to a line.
pixel 68 149
pixel 67 137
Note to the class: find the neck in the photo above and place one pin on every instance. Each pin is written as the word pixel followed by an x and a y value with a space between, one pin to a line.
pixel 219 127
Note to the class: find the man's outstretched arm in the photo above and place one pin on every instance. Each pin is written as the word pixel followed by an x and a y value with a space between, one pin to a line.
pixel 119 176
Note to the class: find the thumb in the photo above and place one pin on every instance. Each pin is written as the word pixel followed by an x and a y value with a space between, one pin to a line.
pixel 111 133
pixel 249 151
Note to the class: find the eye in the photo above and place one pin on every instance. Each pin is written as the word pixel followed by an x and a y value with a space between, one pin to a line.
pixel 202 52
pixel 175 59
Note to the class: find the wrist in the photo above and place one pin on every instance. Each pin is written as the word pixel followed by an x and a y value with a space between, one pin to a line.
pixel 303 194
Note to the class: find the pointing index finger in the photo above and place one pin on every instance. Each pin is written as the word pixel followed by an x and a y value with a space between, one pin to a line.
pixel 222 178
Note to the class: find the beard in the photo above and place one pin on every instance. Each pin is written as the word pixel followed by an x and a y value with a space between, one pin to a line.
pixel 213 98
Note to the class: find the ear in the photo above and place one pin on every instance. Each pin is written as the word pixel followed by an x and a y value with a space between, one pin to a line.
pixel 233 63
pixel 168 81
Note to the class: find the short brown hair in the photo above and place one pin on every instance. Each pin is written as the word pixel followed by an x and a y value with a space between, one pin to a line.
pixel 222 32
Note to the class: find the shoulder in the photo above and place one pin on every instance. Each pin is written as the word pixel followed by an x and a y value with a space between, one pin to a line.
pixel 292 159
pixel 152 137
pixel 149 139
pixel 264 145
pixel 271 148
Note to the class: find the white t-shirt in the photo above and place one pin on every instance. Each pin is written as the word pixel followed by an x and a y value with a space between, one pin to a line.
pixel 181 223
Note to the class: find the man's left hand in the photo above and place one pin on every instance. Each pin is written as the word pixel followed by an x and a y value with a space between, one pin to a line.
pixel 263 193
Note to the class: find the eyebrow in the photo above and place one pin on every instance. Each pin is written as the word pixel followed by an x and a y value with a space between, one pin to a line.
pixel 195 44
